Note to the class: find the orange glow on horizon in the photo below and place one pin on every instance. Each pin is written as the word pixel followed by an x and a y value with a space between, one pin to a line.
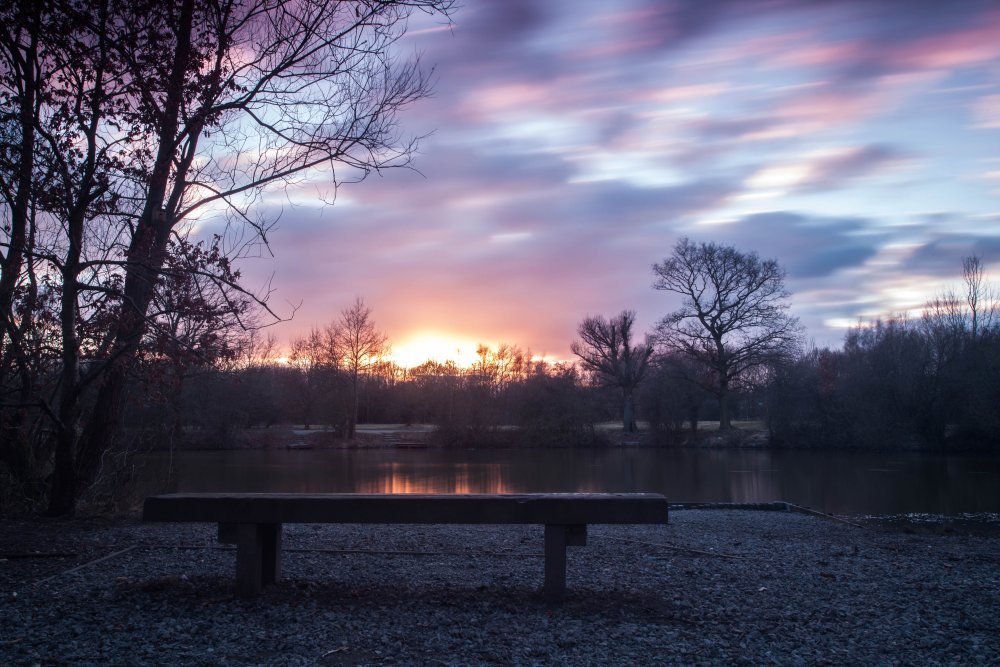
pixel 418 349
pixel 431 346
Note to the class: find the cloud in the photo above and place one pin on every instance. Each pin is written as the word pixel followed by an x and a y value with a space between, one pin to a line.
pixel 808 247
pixel 825 170
pixel 987 112
pixel 852 163
pixel 869 40
pixel 942 254
pixel 576 140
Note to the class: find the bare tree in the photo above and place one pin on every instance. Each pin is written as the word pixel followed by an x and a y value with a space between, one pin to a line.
pixel 20 33
pixel 315 357
pixel 21 69
pixel 980 296
pixel 497 369
pixel 60 194
pixel 951 320
pixel 607 352
pixel 733 316
pixel 362 346
pixel 151 113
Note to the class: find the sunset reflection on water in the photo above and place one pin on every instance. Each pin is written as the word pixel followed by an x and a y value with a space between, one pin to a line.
pixel 396 477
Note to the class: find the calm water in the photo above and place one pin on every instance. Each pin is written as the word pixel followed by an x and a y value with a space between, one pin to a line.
pixel 837 482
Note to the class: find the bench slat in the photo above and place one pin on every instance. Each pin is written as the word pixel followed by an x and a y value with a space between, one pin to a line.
pixel 537 508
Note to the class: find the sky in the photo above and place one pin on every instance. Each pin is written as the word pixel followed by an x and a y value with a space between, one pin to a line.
pixel 572 142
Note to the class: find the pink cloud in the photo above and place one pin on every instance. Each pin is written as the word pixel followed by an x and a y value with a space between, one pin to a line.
pixel 819 54
pixel 826 105
pixel 962 48
pixel 987 111
pixel 498 239
pixel 674 94
pixel 506 98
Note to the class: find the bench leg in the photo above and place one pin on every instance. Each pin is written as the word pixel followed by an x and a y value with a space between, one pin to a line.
pixel 554 589
pixel 258 556
pixel 271 556
pixel 557 538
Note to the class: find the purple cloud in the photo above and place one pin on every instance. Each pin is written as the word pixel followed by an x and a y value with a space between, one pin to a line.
pixel 575 141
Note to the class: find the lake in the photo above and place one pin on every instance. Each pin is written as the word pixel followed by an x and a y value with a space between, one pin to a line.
pixel 838 482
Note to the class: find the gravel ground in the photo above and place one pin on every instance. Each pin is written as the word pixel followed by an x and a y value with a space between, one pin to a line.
pixel 712 587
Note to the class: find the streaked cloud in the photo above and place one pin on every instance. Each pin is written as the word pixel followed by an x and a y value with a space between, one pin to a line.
pixel 574 142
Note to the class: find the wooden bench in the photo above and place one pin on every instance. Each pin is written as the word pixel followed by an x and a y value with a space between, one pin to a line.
pixel 253 521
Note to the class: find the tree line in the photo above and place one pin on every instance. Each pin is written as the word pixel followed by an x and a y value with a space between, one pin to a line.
pixel 928 382
pixel 729 351
pixel 330 382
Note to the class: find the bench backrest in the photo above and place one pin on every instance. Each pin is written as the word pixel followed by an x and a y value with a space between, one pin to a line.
pixel 540 508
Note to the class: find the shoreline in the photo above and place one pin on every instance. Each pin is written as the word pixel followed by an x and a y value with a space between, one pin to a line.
pixel 722 585
pixel 745 435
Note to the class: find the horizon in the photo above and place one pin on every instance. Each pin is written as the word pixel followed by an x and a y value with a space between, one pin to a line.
pixel 574 143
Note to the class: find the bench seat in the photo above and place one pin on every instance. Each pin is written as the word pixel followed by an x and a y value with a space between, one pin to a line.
pixel 253 521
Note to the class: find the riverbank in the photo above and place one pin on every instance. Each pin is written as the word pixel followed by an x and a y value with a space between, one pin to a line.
pixel 745 435
pixel 714 586
pixel 753 435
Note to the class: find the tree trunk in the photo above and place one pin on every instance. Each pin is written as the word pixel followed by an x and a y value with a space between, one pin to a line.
pixel 693 418
pixel 63 492
pixel 62 497
pixel 146 255
pixel 725 423
pixel 17 448
pixel 66 482
pixel 352 418
pixel 628 414
pixel 12 262
pixel 722 368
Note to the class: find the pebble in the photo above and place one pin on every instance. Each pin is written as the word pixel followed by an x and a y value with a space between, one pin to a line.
pixel 794 590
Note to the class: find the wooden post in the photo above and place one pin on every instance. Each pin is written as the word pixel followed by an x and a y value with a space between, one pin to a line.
pixel 227 533
pixel 249 560
pixel 258 554
pixel 554 589
pixel 271 556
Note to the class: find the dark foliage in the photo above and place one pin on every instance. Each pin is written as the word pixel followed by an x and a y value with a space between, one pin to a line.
pixel 918 384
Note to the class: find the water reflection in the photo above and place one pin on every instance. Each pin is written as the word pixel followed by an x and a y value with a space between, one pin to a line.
pixel 408 477
pixel 840 482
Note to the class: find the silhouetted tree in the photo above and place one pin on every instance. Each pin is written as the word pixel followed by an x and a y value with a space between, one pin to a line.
pixel 805 401
pixel 132 118
pixel 980 296
pixel 490 380
pixel 675 394
pixel 315 359
pixel 732 317
pixel 607 352
pixel 964 330
pixel 552 408
pixel 361 346
pixel 433 392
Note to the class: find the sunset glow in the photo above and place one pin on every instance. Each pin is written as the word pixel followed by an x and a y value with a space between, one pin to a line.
pixel 569 145
pixel 440 348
